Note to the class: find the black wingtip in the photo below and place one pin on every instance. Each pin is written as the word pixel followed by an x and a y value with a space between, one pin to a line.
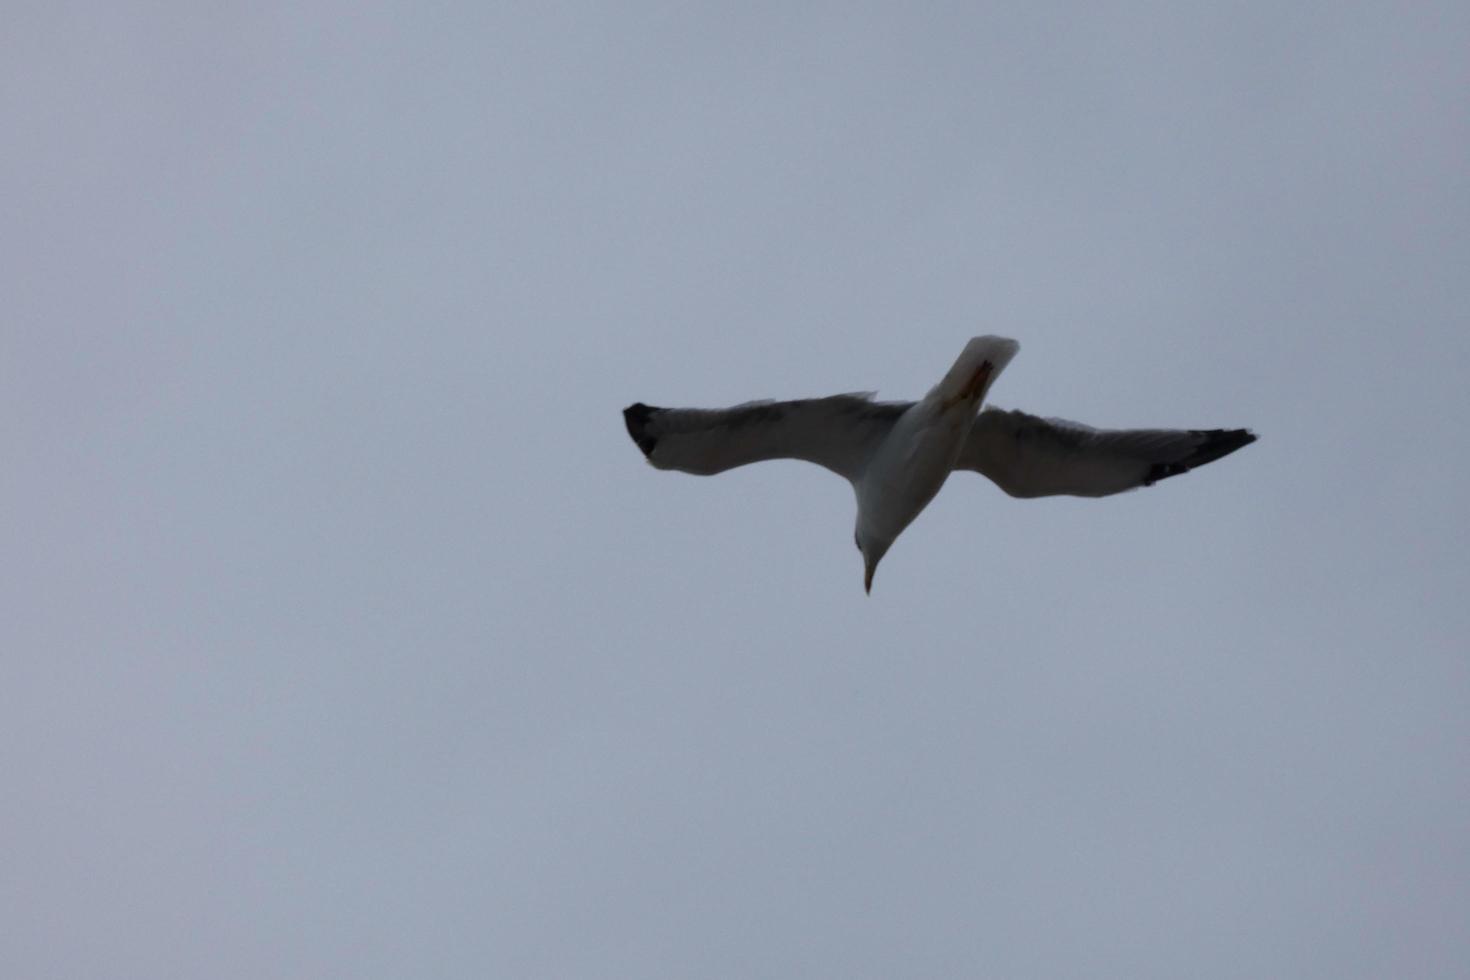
pixel 1218 443
pixel 636 417
pixel 1215 444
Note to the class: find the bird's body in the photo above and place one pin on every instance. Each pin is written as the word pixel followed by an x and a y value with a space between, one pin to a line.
pixel 897 455
pixel 910 464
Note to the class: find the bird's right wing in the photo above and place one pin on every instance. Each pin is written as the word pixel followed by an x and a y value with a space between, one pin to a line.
pixel 1028 456
pixel 839 433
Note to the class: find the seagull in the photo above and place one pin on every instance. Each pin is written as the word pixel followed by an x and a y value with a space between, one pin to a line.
pixel 897 455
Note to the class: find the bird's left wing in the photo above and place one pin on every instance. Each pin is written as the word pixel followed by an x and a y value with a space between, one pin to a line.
pixel 1028 456
pixel 839 433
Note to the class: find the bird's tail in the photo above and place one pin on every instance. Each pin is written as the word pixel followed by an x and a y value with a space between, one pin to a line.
pixel 979 364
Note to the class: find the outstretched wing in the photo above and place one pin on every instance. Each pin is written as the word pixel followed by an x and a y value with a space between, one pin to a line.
pixel 839 433
pixel 1028 456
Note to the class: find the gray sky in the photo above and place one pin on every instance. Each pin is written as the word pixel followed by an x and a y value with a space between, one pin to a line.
pixel 347 634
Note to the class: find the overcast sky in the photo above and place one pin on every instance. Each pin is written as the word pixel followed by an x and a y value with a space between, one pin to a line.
pixel 344 632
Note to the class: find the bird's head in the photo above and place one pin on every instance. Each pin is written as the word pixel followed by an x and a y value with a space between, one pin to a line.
pixel 873 549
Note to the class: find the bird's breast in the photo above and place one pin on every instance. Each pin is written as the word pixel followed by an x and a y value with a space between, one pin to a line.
pixel 910 468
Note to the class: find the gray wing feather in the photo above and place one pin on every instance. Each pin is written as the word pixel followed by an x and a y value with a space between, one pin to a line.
pixel 1028 456
pixel 839 433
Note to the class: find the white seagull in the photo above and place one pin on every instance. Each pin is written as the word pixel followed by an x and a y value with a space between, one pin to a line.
pixel 897 455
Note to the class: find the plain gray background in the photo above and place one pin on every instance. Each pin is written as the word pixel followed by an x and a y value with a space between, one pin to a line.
pixel 345 632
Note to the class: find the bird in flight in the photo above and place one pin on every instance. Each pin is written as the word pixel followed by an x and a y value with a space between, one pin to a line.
pixel 897 455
